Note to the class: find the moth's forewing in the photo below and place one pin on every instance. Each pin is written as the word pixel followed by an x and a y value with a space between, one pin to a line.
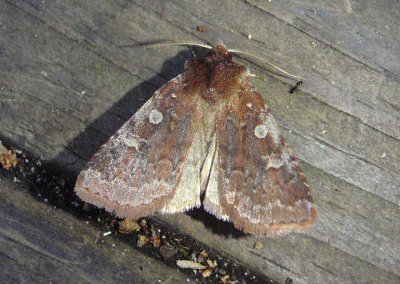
pixel 139 169
pixel 262 187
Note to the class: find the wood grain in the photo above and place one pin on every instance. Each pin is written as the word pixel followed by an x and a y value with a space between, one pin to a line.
pixel 50 245
pixel 68 82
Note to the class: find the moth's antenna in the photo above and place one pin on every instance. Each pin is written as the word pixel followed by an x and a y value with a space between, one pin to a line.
pixel 265 61
pixel 173 42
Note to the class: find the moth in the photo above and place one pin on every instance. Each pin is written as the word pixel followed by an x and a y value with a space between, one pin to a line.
pixel 204 138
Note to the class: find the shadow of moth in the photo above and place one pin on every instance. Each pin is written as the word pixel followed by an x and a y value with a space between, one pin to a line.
pixel 205 138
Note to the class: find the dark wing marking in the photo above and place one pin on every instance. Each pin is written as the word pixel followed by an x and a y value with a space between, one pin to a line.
pixel 144 165
pixel 262 188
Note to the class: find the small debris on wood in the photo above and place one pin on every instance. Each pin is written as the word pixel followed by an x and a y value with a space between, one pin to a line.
pixel 189 264
pixel 258 245
pixel 155 239
pixel 178 240
pixel 202 256
pixel 193 256
pixel 142 241
pixel 314 45
pixel 127 226
pixel 212 264
pixel 143 225
pixel 225 279
pixel 206 273
pixel 8 158
pixel 201 29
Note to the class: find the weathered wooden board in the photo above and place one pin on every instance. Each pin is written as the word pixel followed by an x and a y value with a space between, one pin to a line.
pixel 51 246
pixel 68 82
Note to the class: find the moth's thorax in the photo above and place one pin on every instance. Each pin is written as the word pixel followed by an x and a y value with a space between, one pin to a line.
pixel 216 76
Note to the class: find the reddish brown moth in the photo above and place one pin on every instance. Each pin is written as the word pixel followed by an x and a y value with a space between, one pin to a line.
pixel 206 133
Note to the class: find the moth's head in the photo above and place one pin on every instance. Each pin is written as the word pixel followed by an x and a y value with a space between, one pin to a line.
pixel 218 54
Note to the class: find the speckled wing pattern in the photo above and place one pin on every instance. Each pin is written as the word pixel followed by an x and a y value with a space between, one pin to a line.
pixel 147 164
pixel 261 187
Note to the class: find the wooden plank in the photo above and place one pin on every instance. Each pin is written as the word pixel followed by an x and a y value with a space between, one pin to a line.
pixel 364 31
pixel 61 249
pixel 63 71
pixel 355 58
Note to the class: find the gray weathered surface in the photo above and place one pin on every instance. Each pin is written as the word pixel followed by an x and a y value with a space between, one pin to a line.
pixel 67 85
pixel 51 246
